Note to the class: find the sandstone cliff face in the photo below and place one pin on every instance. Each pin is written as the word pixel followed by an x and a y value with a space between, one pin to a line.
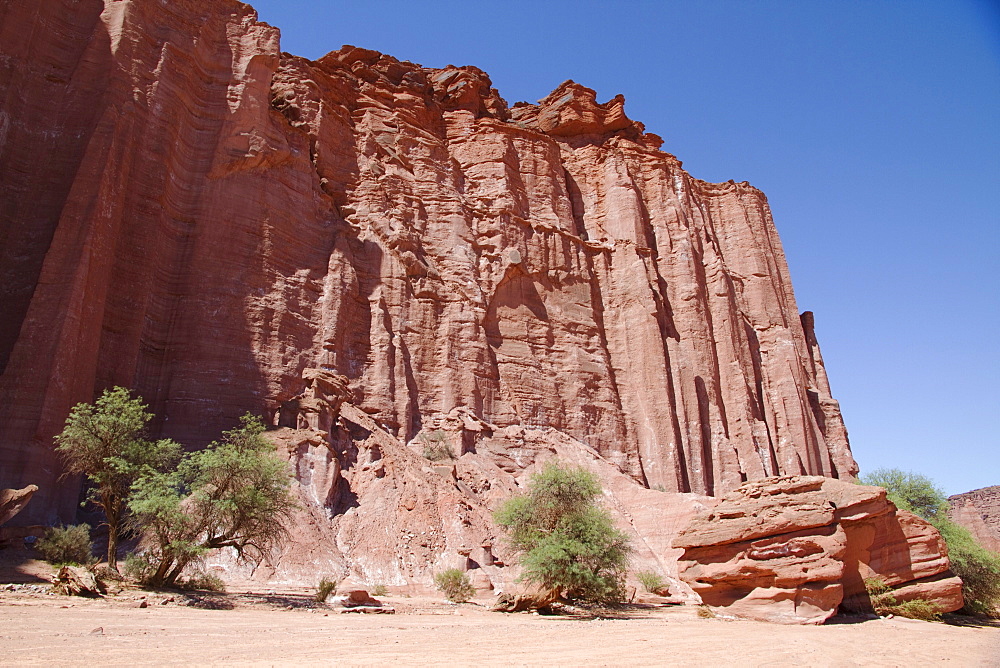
pixel 979 512
pixel 187 211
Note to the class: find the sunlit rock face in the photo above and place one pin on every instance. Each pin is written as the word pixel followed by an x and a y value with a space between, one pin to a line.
pixel 796 549
pixel 189 212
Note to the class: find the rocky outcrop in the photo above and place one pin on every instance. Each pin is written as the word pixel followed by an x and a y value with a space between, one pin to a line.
pixel 13 501
pixel 979 512
pixel 795 549
pixel 189 212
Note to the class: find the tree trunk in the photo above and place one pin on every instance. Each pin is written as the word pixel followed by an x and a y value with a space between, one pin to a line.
pixel 171 578
pixel 160 576
pixel 113 513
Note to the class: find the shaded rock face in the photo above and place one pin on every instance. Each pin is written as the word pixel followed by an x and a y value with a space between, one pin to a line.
pixel 795 549
pixel 189 212
pixel 979 512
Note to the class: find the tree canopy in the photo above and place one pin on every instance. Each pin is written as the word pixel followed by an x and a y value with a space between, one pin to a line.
pixel 105 441
pixel 234 493
pixel 569 544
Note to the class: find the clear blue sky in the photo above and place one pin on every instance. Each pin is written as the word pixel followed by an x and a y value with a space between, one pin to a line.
pixel 873 127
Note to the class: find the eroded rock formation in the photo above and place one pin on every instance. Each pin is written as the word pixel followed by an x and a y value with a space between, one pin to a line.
pixel 13 501
pixel 189 212
pixel 979 512
pixel 795 549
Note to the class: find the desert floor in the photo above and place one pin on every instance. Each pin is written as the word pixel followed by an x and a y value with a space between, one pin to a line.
pixel 271 628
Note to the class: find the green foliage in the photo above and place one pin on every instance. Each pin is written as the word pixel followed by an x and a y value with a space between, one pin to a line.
pixel 105 442
pixel 978 567
pixel 203 581
pixel 326 589
pixel 885 603
pixel 910 491
pixel 234 493
pixel 651 582
pixel 455 585
pixel 568 543
pixel 380 590
pixel 66 545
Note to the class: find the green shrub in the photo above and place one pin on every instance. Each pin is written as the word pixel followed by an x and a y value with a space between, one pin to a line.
pixel 455 585
pixel 651 582
pixel 204 581
pixel 885 603
pixel 380 590
pixel 978 568
pixel 326 589
pixel 67 545
pixel 569 544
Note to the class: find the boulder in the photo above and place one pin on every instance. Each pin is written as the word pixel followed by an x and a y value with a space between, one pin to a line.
pixel 77 581
pixel 795 549
pixel 13 501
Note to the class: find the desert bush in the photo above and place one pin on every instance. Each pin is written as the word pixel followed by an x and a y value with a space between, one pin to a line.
pixel 885 603
pixel 380 590
pixel 568 544
pixel 436 446
pixel 203 581
pixel 455 585
pixel 650 581
pixel 978 567
pixel 325 589
pixel 705 612
pixel 66 545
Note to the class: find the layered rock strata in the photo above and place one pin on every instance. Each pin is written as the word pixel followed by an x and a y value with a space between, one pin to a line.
pixel 189 212
pixel 979 512
pixel 795 549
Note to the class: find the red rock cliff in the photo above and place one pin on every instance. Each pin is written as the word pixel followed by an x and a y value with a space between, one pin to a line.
pixel 187 211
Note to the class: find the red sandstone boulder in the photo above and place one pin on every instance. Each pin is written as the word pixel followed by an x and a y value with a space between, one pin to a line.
pixel 794 549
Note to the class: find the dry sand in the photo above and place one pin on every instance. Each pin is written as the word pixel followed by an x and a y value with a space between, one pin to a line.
pixel 40 629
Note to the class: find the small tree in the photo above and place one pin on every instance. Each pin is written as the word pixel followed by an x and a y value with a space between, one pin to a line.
pixel 978 568
pixel 105 442
pixel 234 493
pixel 568 543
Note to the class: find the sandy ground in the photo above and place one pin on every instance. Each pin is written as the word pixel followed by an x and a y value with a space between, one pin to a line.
pixel 37 629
